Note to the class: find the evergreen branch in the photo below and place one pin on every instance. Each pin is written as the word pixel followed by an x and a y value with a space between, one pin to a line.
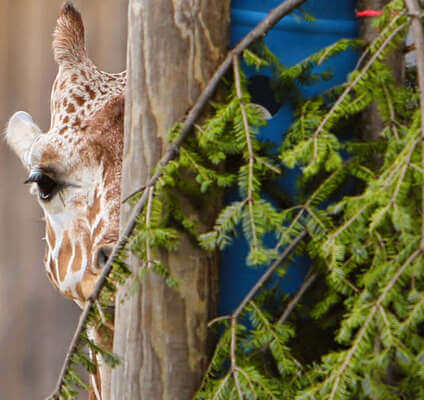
pixel 265 388
pixel 391 111
pixel 414 313
pixel 292 225
pixel 246 376
pixel 221 386
pixel 405 162
pixel 268 165
pixel 418 33
pixel 292 304
pixel 251 155
pixel 101 313
pixel 349 88
pixel 258 32
pixel 361 333
pixel 402 174
pixel 306 206
pixel 383 32
pixel 346 281
pixel 316 218
pixel 346 225
pixel 416 167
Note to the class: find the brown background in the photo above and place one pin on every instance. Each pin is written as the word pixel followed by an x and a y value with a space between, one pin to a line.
pixel 36 323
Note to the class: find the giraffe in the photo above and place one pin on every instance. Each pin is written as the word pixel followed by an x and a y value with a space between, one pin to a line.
pixel 75 167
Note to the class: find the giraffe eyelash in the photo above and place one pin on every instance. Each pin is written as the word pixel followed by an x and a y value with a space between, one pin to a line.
pixel 47 186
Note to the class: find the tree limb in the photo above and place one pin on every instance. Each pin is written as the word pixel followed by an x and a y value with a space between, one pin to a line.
pixel 289 249
pixel 290 307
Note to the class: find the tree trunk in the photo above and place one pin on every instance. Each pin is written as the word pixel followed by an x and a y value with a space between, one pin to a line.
pixel 161 333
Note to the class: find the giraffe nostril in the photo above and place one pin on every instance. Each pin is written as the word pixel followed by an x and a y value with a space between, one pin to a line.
pixel 103 255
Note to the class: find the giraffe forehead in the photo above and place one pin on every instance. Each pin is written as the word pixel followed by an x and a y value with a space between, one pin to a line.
pixel 48 149
pixel 52 151
pixel 79 93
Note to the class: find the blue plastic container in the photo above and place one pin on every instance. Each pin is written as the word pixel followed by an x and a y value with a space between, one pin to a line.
pixel 292 40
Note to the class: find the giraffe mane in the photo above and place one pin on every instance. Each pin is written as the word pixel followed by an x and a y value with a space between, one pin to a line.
pixel 69 37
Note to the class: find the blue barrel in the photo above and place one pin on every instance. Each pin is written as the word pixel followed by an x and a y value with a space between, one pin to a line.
pixel 292 40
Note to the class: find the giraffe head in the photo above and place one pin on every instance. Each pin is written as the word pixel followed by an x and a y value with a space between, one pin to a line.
pixel 75 167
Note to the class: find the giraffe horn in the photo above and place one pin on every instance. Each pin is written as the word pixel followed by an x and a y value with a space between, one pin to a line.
pixel 68 37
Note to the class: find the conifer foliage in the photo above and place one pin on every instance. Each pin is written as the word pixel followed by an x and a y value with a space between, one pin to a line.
pixel 363 223
pixel 357 218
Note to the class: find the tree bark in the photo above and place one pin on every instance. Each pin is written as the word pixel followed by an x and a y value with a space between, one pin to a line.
pixel 161 333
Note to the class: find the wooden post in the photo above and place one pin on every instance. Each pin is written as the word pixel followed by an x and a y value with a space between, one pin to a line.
pixel 161 333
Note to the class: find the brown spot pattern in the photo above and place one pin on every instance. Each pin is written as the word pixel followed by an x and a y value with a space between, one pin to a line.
pixel 70 109
pixel 65 253
pixel 77 262
pixel 90 92
pixel 80 100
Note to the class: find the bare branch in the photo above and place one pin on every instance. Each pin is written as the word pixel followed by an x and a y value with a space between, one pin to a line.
pixel 251 154
pixel 283 256
pixel 290 307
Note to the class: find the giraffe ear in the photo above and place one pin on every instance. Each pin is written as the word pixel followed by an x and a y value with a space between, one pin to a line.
pixel 20 134
pixel 69 37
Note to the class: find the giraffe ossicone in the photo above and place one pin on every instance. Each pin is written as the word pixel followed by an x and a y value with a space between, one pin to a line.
pixel 75 167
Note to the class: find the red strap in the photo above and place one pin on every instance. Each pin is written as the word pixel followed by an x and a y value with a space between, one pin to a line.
pixel 368 13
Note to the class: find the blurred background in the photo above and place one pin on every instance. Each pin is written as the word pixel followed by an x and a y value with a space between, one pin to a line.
pixel 36 323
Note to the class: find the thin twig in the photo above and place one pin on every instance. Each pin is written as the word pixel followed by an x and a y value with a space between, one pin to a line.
pixel 352 85
pixel 283 256
pixel 368 49
pixel 133 194
pixel 258 32
pixel 418 33
pixel 218 319
pixel 251 154
pixel 233 358
pixel 403 173
pixel 395 170
pixel 100 310
pixel 290 307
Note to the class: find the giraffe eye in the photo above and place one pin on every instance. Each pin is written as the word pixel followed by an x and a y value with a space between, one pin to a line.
pixel 47 187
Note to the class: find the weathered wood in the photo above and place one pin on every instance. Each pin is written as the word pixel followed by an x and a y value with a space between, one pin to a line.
pixel 161 333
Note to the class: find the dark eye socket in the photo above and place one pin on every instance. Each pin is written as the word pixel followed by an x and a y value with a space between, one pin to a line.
pixel 47 186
